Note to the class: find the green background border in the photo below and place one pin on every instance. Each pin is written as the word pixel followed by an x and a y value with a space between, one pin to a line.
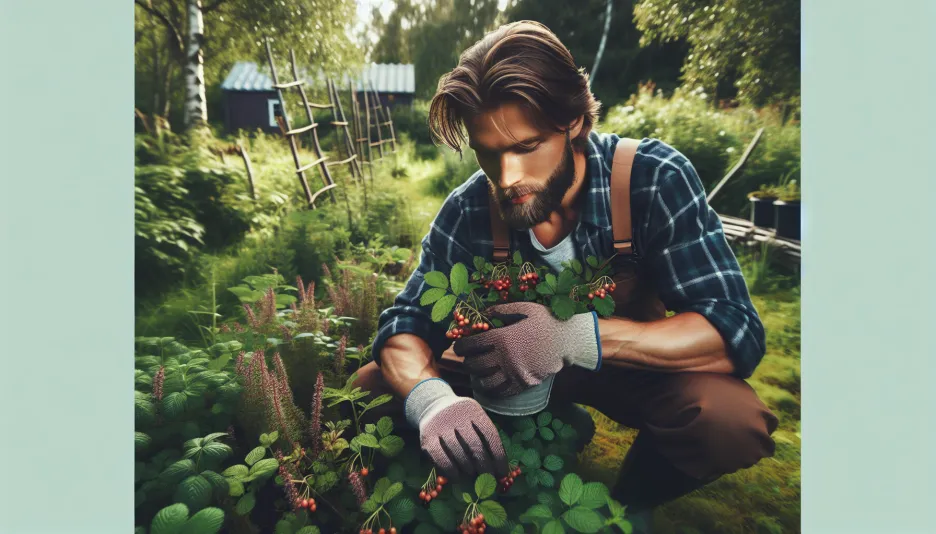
pixel 66 208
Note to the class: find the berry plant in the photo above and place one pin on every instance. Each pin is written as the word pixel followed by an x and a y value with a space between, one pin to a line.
pixel 463 299
pixel 224 445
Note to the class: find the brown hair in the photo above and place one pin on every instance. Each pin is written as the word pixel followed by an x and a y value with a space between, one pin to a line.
pixel 520 62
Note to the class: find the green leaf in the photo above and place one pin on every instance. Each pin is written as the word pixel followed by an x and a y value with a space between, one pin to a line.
pixel 214 436
pixel 170 519
pixel 544 289
pixel 378 401
pixel 173 404
pixel 385 426
pixel 623 524
pixel 531 458
pixel 547 433
pixel 392 491
pixel 485 485
pixel 432 295
pixel 264 467
pixel 265 440
pixel 557 424
pixel 592 261
pixel 436 279
pixel 538 511
pixel 283 527
pixel 442 514
pixel 178 471
pixel 236 471
pixel 273 437
pixel 194 491
pixel 545 478
pixel 494 513
pixel 402 511
pixel 245 504
pixel 577 266
pixel 551 281
pixel 594 495
pixel 525 423
pixel 326 481
pixel 566 281
pixel 616 509
pixel 604 306
pixel 367 440
pixel 396 472
pixel 235 487
pixel 479 262
pixel 390 446
pixel 370 505
pixel 255 455
pixel 141 440
pixel 563 307
pixel 217 451
pixel 311 529
pixel 370 428
pixel 443 308
pixel 517 258
pixel 553 462
pixel 554 527
pixel 218 483
pixel 544 418
pixel 583 520
pixel 207 521
pixel 467 498
pixel 458 278
pixel 570 489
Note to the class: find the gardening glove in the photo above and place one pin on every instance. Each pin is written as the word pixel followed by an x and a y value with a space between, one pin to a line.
pixel 454 431
pixel 532 345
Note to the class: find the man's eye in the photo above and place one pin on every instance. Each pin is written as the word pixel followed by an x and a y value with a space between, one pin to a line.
pixel 526 149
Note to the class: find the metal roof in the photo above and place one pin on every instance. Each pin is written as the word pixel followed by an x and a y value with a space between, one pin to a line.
pixel 383 77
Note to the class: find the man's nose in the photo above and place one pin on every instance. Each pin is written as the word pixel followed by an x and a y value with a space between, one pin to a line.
pixel 511 171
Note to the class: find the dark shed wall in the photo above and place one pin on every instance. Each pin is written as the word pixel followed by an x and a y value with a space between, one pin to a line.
pixel 248 111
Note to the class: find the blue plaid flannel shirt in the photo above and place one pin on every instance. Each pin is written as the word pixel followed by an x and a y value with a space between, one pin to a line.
pixel 676 233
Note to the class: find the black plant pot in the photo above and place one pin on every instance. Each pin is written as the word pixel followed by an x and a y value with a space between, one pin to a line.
pixel 762 212
pixel 788 219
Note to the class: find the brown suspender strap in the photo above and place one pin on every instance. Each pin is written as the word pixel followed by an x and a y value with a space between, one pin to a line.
pixel 621 167
pixel 499 234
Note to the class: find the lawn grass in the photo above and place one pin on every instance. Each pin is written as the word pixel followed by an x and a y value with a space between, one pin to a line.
pixel 764 498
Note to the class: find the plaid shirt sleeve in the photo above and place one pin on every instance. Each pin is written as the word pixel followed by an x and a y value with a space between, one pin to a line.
pixel 446 244
pixel 696 268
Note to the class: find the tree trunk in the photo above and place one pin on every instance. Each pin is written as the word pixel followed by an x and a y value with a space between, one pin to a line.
pixel 196 110
pixel 601 47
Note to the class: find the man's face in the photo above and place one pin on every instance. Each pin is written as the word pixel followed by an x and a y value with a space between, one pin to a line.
pixel 529 170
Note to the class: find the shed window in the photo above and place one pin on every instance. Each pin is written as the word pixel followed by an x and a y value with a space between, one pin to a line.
pixel 273 110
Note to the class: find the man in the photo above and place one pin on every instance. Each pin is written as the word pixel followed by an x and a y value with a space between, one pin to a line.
pixel 529 117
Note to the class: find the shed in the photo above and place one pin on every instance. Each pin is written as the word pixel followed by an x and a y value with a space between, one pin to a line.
pixel 251 103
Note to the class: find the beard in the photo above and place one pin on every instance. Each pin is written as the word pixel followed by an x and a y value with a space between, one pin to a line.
pixel 544 201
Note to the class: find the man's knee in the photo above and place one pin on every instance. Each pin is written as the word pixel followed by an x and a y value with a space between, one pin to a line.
pixel 723 428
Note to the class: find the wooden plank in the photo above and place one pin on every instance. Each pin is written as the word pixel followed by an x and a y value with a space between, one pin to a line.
pixel 342 162
pixel 339 123
pixel 313 164
pixel 737 168
pixel 319 106
pixel 322 190
pixel 288 84
pixel 304 129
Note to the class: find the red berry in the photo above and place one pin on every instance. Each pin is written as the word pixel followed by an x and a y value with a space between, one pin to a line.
pixel 422 495
pixel 434 494
pixel 392 530
pixel 591 295
pixel 313 507
pixel 486 326
pixel 382 531
pixel 364 471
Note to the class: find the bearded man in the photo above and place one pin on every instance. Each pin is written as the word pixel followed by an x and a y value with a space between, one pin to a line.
pixel 550 186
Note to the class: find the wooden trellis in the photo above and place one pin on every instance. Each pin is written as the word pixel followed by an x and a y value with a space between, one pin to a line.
pixel 339 120
pixel 291 134
pixel 383 117
pixel 362 142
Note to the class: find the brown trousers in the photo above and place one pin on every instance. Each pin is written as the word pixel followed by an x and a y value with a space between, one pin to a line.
pixel 693 427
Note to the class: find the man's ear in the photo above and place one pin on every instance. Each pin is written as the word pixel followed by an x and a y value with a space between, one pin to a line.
pixel 575 128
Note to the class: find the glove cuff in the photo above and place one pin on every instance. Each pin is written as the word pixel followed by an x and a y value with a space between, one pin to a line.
pixel 587 353
pixel 423 397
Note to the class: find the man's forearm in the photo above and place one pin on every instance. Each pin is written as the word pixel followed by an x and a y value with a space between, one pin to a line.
pixel 406 360
pixel 683 342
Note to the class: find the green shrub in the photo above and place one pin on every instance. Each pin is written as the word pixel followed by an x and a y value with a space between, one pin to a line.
pixel 713 140
pixel 455 171
pixel 414 121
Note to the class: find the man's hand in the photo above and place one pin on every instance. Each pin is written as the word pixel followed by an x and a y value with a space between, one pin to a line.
pixel 455 432
pixel 532 345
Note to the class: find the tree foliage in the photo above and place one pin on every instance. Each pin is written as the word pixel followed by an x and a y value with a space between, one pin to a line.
pixel 746 46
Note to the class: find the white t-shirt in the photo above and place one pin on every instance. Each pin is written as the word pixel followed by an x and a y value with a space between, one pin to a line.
pixel 562 251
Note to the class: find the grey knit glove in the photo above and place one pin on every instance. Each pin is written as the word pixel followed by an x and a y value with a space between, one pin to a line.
pixel 456 432
pixel 532 345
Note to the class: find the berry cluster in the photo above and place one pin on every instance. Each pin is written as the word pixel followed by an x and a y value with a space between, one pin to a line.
pixel 501 284
pixel 391 530
pixel 475 526
pixel 602 291
pixel 464 327
pixel 507 481
pixel 528 281
pixel 308 503
pixel 430 492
